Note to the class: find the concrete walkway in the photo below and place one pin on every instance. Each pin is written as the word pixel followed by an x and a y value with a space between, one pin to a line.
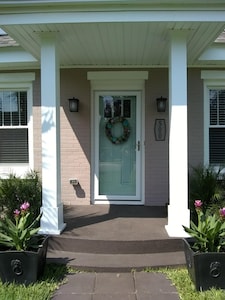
pixel 117 286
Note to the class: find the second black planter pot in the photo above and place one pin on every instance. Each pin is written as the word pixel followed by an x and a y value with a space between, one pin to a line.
pixel 207 270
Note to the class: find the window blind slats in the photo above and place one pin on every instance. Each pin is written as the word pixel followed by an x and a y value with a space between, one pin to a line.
pixel 217 134
pixel 14 145
pixel 221 96
pixel 217 145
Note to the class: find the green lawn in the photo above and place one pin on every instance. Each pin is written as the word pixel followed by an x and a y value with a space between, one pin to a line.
pixel 186 289
pixel 53 276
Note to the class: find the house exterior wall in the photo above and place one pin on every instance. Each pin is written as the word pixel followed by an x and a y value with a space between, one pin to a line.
pixel 195 117
pixel 37 123
pixel 76 134
pixel 156 152
pixel 75 137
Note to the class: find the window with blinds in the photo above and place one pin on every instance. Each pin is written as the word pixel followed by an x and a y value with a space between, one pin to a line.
pixel 217 126
pixel 13 127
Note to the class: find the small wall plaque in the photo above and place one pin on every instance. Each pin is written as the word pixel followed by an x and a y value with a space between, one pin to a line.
pixel 160 129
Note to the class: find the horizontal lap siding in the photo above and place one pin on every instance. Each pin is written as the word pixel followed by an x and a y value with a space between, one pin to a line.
pixel 156 152
pixel 76 134
pixel 195 118
pixel 75 137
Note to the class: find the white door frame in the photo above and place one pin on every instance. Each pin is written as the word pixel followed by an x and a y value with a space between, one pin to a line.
pixel 119 198
pixel 113 81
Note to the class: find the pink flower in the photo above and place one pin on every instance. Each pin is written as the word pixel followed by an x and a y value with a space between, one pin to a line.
pixel 16 213
pixel 222 212
pixel 198 204
pixel 25 206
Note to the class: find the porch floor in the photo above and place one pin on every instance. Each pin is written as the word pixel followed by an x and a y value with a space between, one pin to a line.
pixel 115 238
pixel 115 222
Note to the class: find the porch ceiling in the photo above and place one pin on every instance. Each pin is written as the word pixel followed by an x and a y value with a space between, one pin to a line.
pixel 121 44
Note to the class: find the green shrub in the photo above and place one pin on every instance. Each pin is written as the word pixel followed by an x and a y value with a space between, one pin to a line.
pixel 207 185
pixel 15 190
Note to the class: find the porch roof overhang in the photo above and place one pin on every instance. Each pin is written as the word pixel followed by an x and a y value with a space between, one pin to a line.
pixel 111 33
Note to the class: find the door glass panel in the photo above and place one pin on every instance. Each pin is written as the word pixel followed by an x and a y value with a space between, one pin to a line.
pixel 117 145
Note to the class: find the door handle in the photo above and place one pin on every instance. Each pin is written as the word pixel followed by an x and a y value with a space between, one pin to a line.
pixel 138 145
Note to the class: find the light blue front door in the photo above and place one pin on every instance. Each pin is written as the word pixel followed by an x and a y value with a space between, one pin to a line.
pixel 117 147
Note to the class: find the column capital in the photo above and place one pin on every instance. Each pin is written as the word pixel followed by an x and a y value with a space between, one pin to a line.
pixel 48 34
pixel 179 33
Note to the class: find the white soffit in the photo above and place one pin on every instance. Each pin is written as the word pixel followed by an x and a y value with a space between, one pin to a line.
pixel 117 34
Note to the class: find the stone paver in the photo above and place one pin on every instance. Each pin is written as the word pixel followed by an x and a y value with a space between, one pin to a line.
pixel 114 283
pixel 117 286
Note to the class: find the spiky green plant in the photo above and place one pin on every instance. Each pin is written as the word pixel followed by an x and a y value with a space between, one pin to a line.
pixel 21 234
pixel 206 183
pixel 209 233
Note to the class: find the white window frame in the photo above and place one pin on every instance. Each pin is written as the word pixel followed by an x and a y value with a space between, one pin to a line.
pixel 20 82
pixel 212 80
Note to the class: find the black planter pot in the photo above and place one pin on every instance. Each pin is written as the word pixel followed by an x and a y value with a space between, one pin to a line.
pixel 206 270
pixel 23 266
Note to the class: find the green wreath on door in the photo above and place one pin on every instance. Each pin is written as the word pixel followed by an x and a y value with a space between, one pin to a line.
pixel 126 130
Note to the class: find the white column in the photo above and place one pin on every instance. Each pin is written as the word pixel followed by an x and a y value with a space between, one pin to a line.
pixel 178 212
pixel 52 207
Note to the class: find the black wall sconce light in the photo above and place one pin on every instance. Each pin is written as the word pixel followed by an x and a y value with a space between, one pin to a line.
pixel 161 104
pixel 74 104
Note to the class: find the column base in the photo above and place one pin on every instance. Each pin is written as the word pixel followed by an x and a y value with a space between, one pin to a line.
pixel 173 231
pixel 176 220
pixel 52 220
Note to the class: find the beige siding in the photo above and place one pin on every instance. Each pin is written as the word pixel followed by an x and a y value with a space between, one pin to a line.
pixel 195 117
pixel 37 122
pixel 76 134
pixel 156 153
pixel 75 137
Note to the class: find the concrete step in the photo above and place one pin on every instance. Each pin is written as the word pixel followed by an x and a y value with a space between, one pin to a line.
pixel 115 239
pixel 65 243
pixel 115 256
pixel 116 262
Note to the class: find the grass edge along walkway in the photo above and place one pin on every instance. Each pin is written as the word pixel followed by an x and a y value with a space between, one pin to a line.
pixel 55 275
pixel 185 287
